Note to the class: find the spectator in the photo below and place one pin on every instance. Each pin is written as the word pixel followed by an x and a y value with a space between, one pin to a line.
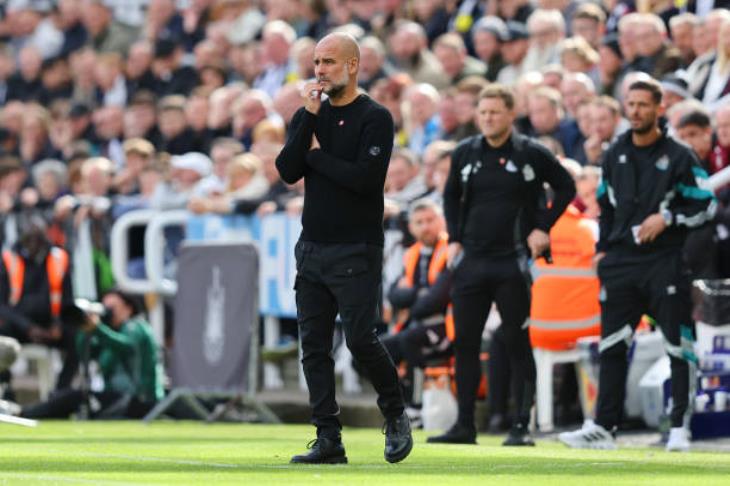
pixel 674 90
pixel 68 18
pixel 576 88
pixel 177 137
pixel 140 118
pixel 138 68
pixel 577 56
pixel 110 82
pixel 450 51
pixel 34 140
pixel 162 21
pixel 589 22
pixel 547 118
pixel 138 154
pixel 720 156
pixel 609 65
pixel 717 84
pixel 403 183
pixel 487 36
pixel 55 81
pixel 705 44
pixel 277 40
pixel 546 29
pixel 695 129
pixel 682 28
pixel 409 50
pixel 187 172
pixel 605 114
pixel 656 55
pixel 25 85
pixel 302 53
pixel 109 127
pixel 171 76
pixel 105 33
pixel 465 101
pixel 252 108
pixel 372 62
pixel 514 51
pixel 222 153
pixel 287 101
pixel 422 123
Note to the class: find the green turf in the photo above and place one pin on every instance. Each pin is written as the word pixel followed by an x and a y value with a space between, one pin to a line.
pixel 195 453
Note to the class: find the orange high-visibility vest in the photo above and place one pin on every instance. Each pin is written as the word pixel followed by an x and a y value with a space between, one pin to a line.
pixel 565 302
pixel 435 267
pixel 56 268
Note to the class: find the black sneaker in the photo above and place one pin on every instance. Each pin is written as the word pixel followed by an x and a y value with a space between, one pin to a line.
pixel 458 434
pixel 518 436
pixel 322 451
pixel 398 438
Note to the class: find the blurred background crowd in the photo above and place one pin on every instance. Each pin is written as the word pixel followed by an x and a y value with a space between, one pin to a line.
pixel 107 106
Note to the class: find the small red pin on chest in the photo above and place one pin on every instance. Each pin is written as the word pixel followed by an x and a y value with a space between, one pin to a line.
pixel 502 161
pixel 341 122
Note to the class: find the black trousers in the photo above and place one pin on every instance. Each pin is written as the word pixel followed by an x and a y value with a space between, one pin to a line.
pixel 63 403
pixel 499 376
pixel 659 287
pixel 66 343
pixel 344 279
pixel 478 282
pixel 417 344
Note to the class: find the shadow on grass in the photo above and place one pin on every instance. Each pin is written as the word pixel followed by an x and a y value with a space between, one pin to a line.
pixel 436 466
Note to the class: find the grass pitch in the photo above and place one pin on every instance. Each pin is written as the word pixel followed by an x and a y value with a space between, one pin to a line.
pixel 193 453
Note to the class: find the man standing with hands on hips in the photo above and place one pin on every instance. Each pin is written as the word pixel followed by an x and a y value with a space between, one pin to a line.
pixel 498 219
pixel 650 197
pixel 341 146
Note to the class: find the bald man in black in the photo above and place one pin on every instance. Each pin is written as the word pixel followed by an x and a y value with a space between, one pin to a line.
pixel 341 147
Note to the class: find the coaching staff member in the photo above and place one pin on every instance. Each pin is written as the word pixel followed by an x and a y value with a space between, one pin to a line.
pixel 649 200
pixel 497 220
pixel 341 146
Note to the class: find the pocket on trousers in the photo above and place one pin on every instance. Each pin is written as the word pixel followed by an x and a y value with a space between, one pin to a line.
pixel 354 282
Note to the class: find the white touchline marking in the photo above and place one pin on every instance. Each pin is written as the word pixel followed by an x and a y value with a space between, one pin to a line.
pixel 153 459
pixel 63 479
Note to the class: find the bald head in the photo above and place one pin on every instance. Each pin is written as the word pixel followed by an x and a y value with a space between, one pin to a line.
pixel 345 44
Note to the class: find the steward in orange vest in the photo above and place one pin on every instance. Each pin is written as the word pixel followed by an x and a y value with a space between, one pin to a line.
pixel 421 297
pixel 35 286
pixel 565 302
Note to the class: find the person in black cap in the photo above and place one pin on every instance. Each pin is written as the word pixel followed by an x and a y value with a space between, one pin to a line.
pixel 514 50
pixel 171 77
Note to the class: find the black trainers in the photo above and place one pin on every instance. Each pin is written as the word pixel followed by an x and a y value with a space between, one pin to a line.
pixel 322 451
pixel 398 438
pixel 458 434
pixel 518 436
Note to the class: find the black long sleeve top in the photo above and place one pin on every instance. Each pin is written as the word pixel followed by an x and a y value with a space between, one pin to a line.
pixel 506 194
pixel 344 179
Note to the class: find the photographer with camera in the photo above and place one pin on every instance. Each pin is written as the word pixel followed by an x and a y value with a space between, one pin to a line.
pixel 120 341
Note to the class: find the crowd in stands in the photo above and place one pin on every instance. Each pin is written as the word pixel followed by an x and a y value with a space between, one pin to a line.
pixel 107 106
